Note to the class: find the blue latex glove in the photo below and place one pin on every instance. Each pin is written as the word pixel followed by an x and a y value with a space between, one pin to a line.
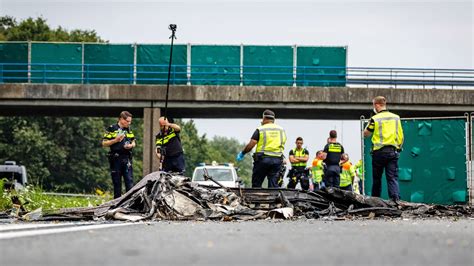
pixel 240 156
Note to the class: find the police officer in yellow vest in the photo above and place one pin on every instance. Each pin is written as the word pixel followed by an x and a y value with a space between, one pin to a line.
pixel 387 140
pixel 121 140
pixel 270 139
pixel 298 173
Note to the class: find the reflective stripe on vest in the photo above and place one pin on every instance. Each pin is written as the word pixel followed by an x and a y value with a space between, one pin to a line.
pixel 347 174
pixel 299 153
pixel 334 147
pixel 387 130
pixel 318 170
pixel 113 135
pixel 271 141
pixel 164 140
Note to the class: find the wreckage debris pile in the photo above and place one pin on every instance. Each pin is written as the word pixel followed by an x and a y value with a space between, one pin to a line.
pixel 164 196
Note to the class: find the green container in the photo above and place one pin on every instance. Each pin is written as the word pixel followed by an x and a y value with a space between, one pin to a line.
pixel 153 62
pixel 432 165
pixel 321 66
pixel 268 65
pixel 51 63
pixel 205 60
pixel 14 53
pixel 120 55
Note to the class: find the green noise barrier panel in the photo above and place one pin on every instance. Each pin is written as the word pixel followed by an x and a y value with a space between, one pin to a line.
pixel 14 53
pixel 257 62
pixel 108 54
pixel 432 165
pixel 56 54
pixel 321 66
pixel 158 57
pixel 205 60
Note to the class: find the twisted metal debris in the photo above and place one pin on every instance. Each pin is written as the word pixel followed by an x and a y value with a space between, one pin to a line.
pixel 164 196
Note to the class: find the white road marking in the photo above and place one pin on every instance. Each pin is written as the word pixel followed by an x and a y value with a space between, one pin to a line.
pixel 47 231
pixel 23 227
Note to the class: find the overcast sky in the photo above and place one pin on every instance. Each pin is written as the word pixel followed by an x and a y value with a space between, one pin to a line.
pixel 432 34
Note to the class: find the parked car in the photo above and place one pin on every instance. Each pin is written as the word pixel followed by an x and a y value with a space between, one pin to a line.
pixel 225 174
pixel 13 175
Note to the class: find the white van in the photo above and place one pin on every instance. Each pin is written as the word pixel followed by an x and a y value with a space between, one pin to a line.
pixel 222 173
pixel 14 175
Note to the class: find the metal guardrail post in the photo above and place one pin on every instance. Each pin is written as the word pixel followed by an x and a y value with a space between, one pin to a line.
pixel 134 63
pixel 471 159
pixel 188 63
pixel 131 78
pixel 295 64
pixel 241 65
pixel 82 64
pixel 29 62
pixel 362 149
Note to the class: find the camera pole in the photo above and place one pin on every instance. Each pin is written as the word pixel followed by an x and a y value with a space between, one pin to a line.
pixel 173 28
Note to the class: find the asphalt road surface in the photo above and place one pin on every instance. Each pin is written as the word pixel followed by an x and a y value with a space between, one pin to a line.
pixel 268 242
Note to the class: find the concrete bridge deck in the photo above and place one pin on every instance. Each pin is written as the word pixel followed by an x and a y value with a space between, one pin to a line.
pixel 227 101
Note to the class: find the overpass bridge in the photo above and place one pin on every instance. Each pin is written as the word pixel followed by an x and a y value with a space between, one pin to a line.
pixel 223 101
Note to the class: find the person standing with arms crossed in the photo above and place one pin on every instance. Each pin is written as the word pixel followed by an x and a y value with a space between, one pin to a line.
pixel 387 140
pixel 298 158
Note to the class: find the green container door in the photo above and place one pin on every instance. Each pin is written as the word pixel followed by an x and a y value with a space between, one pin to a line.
pixel 104 55
pixel 153 61
pixel 321 66
pixel 268 65
pixel 56 63
pixel 215 65
pixel 432 166
pixel 17 55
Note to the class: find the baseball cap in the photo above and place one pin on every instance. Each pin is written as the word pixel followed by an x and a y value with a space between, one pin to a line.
pixel 269 114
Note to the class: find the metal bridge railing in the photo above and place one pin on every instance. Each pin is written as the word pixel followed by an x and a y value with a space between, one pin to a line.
pixel 237 75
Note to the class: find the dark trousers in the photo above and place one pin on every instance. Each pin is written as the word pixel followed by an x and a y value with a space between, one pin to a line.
pixel 174 164
pixel 266 167
pixel 298 175
pixel 318 186
pixel 385 159
pixel 332 176
pixel 347 188
pixel 121 166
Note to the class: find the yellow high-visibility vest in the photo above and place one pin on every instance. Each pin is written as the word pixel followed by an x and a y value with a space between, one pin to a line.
pixel 164 140
pixel 317 170
pixel 113 134
pixel 347 174
pixel 271 140
pixel 388 130
pixel 298 153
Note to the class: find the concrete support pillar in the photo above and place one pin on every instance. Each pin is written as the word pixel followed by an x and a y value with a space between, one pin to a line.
pixel 150 128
